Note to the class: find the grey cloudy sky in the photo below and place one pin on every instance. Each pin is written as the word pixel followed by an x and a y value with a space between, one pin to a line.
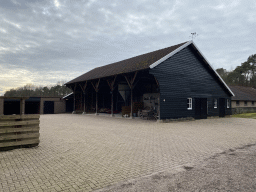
pixel 45 41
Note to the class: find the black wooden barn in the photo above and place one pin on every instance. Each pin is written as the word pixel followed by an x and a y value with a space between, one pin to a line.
pixel 176 82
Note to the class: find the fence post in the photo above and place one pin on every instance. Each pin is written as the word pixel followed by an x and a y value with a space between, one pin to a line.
pixel 22 106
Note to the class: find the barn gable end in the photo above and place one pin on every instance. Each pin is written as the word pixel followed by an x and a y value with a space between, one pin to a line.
pixel 187 75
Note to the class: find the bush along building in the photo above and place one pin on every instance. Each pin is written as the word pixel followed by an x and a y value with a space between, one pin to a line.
pixel 175 82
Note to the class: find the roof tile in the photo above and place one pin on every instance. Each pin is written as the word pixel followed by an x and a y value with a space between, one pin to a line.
pixel 126 66
pixel 243 93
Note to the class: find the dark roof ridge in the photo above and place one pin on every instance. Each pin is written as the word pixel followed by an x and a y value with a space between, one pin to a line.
pixel 140 55
pixel 135 63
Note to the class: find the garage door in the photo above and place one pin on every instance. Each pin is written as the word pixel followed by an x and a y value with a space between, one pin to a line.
pixel 48 107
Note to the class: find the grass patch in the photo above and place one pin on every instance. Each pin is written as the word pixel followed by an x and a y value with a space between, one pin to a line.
pixel 245 115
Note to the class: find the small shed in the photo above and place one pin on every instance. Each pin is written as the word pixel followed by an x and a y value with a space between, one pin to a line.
pixel 33 105
pixel 174 82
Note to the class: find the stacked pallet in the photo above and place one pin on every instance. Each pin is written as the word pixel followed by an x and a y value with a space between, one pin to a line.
pixel 19 130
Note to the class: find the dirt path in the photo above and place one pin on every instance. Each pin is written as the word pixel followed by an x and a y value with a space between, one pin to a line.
pixel 232 170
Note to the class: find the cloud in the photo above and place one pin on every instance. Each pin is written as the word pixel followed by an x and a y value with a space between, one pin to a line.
pixel 20 77
pixel 56 3
pixel 67 38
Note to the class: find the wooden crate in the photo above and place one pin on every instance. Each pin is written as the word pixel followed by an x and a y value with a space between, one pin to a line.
pixel 19 130
pixel 126 110
pixel 136 107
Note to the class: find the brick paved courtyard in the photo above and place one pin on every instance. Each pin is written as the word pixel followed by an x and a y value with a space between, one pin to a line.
pixel 87 152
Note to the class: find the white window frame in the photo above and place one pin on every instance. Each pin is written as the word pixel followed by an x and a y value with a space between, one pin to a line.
pixel 228 103
pixel 189 103
pixel 215 103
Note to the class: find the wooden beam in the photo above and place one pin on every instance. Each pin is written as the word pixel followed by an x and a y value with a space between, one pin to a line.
pixel 134 77
pixel 19 136
pixel 96 88
pixel 22 106
pixel 97 85
pixel 21 129
pixel 83 89
pixel 130 83
pixel 113 82
pixel 111 86
pixel 8 117
pixel 13 123
pixel 74 107
pixel 16 143
pixel 156 81
pixel 84 86
pixel 135 83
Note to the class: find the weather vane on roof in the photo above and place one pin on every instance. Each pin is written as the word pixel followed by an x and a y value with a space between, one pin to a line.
pixel 193 35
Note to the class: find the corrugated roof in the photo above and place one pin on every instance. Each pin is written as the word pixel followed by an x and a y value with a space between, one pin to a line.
pixel 126 66
pixel 243 93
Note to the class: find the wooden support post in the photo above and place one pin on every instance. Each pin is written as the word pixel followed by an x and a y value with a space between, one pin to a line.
pixel 111 85
pixel 74 107
pixel 96 88
pixel 22 106
pixel 96 113
pixel 130 83
pixel 112 104
pixel 131 105
pixel 84 105
pixel 83 89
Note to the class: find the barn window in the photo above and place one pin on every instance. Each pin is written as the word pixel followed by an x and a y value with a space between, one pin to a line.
pixel 252 103
pixel 189 103
pixel 215 103
pixel 245 103
pixel 228 103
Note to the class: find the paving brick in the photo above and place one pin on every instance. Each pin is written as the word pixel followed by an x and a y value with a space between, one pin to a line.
pixel 87 152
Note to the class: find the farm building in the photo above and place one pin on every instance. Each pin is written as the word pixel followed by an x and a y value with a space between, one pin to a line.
pixel 174 82
pixel 244 99
pixel 33 105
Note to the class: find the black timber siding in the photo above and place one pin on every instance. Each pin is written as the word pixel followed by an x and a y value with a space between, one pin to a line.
pixel 186 75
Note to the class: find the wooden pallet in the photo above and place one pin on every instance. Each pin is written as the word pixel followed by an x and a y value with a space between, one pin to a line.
pixel 19 130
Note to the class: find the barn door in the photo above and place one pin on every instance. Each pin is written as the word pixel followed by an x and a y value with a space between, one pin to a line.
pixel 49 107
pixel 222 107
pixel 200 108
pixel 203 102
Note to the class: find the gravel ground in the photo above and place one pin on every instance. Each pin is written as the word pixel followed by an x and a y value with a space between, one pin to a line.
pixel 231 170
